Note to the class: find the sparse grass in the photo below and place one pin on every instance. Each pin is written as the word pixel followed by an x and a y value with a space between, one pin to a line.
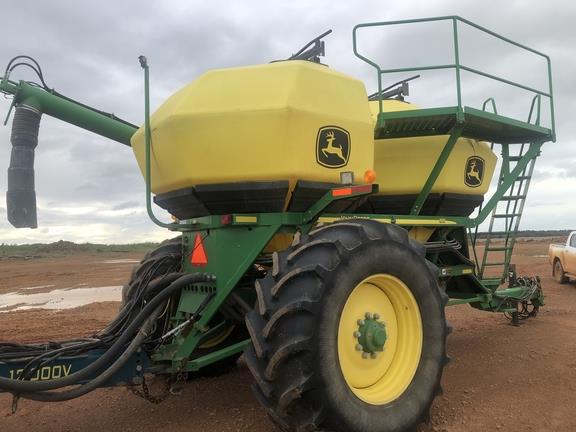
pixel 67 248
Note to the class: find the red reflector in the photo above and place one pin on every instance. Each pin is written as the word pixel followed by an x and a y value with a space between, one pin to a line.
pixel 198 257
pixel 351 190
pixel 362 188
pixel 342 192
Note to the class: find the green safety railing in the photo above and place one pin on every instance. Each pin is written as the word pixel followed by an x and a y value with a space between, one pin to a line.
pixel 458 66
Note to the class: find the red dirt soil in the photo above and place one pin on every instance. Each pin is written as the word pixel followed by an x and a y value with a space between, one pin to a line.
pixel 501 377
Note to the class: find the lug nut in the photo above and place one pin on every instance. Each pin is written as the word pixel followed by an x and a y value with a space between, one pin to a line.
pixel 373 355
pixel 360 322
pixel 357 334
pixel 376 316
pixel 368 315
pixel 364 355
pixel 359 347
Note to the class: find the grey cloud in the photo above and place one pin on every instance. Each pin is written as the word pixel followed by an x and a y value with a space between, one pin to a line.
pixel 127 205
pixel 89 52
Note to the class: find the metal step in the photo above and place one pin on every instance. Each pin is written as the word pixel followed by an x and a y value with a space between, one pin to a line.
pixel 498 249
pixel 502 216
pixel 512 198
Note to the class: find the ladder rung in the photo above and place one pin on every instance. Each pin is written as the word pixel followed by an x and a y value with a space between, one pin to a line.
pixel 512 198
pixel 499 249
pixel 488 264
pixel 514 158
pixel 511 215
pixel 523 178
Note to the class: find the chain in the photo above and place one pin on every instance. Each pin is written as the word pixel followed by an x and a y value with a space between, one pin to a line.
pixel 173 388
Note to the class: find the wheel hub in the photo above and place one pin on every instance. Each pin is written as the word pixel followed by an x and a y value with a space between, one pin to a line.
pixel 371 335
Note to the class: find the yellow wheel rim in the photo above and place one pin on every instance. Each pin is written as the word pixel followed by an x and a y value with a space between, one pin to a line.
pixel 380 377
pixel 219 338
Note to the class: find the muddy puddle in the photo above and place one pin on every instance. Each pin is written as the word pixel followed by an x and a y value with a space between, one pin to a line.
pixel 120 261
pixel 58 299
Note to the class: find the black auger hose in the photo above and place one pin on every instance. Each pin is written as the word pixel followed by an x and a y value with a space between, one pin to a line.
pixel 17 386
pixel 21 196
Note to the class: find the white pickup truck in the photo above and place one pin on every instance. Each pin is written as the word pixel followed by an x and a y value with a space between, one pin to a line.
pixel 563 259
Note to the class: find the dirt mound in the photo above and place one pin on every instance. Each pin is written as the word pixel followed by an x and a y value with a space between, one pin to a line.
pixel 62 246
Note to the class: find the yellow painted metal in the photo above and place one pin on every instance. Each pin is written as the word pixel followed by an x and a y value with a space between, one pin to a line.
pixel 245 219
pixel 219 338
pixel 397 221
pixel 279 242
pixel 256 123
pixel 403 164
pixel 421 234
pixel 383 379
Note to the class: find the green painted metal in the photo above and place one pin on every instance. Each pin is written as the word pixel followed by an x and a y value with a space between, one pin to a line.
pixel 484 299
pixel 69 111
pixel 506 182
pixel 456 65
pixel 437 170
pixel 213 357
pixel 148 145
pixel 371 334
pixel 231 251
pixel 477 124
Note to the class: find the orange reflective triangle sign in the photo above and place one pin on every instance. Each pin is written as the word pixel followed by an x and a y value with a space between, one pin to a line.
pixel 198 257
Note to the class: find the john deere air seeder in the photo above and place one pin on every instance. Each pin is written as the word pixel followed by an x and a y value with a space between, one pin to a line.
pixel 321 232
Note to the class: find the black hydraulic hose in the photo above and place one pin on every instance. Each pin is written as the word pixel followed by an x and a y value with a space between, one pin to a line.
pixel 18 386
pixel 101 379
pixel 166 279
pixel 21 196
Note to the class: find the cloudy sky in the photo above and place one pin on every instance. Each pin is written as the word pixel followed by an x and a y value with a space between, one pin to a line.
pixel 89 188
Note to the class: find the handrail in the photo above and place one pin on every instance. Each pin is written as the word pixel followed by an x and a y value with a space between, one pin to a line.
pixel 536 99
pixel 457 66
pixel 493 102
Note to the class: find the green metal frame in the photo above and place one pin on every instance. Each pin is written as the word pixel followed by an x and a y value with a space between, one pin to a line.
pixel 456 65
pixel 67 110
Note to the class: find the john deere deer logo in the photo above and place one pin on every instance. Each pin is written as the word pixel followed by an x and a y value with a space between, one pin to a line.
pixel 332 147
pixel 474 172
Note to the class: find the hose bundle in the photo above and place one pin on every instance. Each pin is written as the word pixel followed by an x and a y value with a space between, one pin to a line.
pixel 130 330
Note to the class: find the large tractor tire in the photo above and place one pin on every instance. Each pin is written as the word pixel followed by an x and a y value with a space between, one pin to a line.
pixel 349 332
pixel 167 257
pixel 558 272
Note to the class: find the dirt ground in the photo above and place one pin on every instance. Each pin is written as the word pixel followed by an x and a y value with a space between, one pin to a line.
pixel 501 377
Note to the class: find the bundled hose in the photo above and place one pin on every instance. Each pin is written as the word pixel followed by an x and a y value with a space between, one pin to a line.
pixel 117 354
pixel 101 379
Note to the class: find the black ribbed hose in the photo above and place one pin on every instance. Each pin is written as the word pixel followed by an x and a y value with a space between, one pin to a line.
pixel 21 196
pixel 101 379
pixel 17 386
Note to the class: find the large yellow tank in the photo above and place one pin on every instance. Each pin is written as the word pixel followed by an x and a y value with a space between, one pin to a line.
pixel 284 121
pixel 403 165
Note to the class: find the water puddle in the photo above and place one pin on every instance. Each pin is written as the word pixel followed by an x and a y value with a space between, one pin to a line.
pixel 38 287
pixel 59 299
pixel 120 261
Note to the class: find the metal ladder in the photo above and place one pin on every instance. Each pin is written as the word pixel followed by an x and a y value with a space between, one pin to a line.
pixel 506 217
